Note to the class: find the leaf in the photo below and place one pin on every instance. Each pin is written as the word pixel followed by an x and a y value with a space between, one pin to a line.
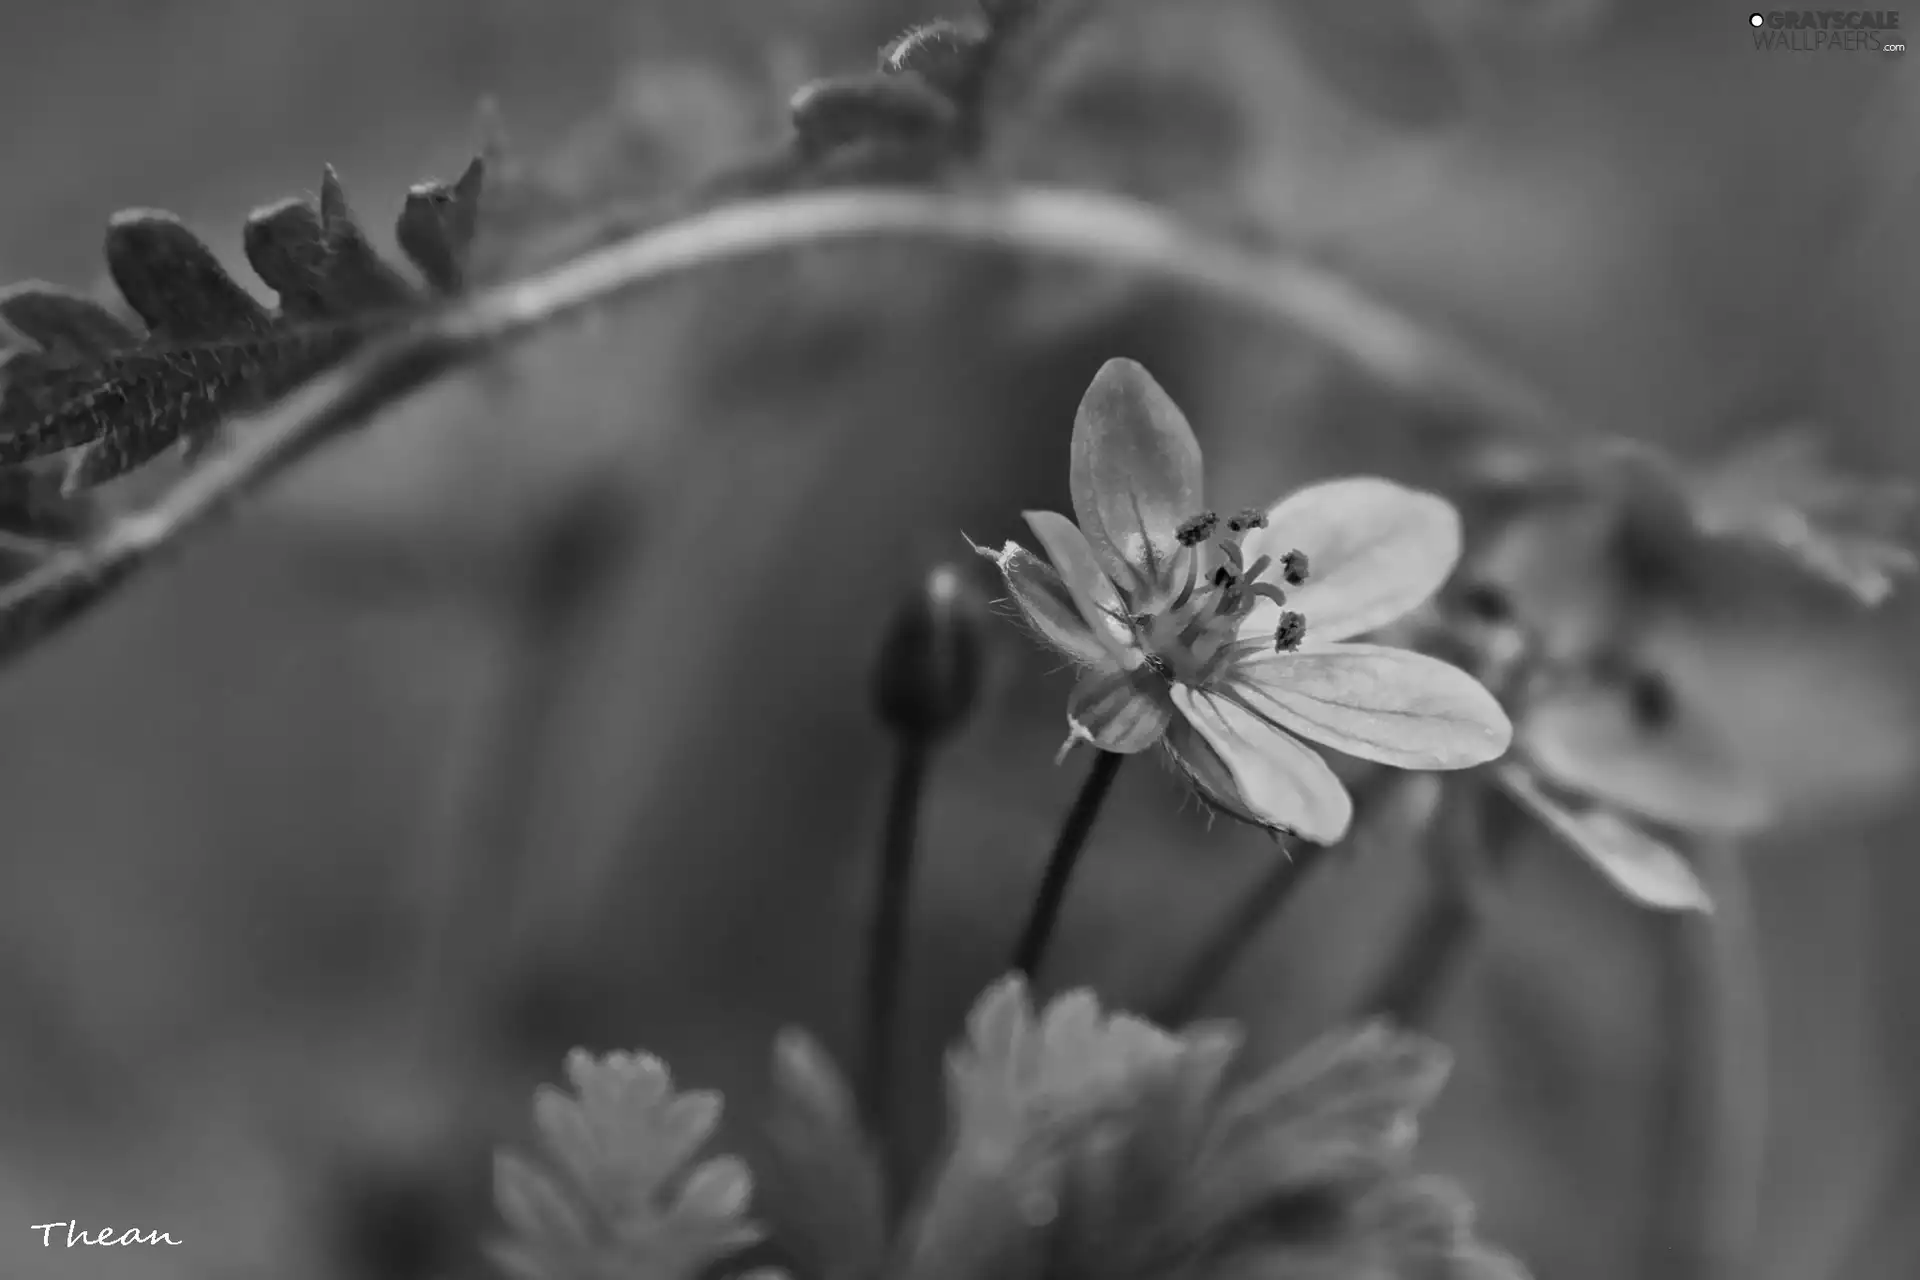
pixel 1141 1164
pixel 1341 1113
pixel 1022 1090
pixel 629 1194
pixel 114 399
pixel 1779 491
pixel 1645 869
pixel 830 1186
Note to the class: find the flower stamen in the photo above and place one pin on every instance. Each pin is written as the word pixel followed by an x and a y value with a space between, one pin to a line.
pixel 1293 567
pixel 1179 602
pixel 1247 518
pixel 1291 631
pixel 1196 529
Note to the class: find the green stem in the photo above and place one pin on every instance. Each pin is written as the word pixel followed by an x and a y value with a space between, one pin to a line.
pixel 1045 915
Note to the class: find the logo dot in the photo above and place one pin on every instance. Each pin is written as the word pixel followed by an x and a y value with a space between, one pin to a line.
pixel 1757 20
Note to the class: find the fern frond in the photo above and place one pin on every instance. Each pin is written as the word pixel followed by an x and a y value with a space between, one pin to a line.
pixel 88 385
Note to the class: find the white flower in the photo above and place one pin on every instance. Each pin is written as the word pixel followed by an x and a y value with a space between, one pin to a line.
pixel 1227 638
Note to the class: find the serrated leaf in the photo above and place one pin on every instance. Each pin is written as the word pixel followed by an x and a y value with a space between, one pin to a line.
pixel 1781 492
pixel 636 1198
pixel 1647 870
pixel 830 1201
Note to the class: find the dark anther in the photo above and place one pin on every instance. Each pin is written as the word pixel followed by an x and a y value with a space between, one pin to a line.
pixel 1484 602
pixel 1291 631
pixel 1223 576
pixel 1197 529
pixel 928 671
pixel 1293 567
pixel 1247 519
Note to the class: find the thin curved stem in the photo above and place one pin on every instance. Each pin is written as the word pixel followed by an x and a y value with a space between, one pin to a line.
pixel 1231 940
pixel 1429 958
pixel 1042 919
pixel 1421 970
pixel 1076 225
pixel 1710 1155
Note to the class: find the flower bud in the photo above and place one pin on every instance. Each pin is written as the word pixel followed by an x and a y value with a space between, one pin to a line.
pixel 927 674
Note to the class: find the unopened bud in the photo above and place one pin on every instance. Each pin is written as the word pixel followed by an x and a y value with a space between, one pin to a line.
pixel 927 676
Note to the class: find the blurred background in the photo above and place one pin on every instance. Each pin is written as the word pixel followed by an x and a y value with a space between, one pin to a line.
pixel 241 802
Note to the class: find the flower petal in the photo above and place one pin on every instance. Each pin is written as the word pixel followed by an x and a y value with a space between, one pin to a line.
pixel 1393 706
pixel 1643 868
pixel 1046 603
pixel 1115 711
pixel 1093 592
pixel 1270 775
pixel 1135 473
pixel 1682 774
pixel 1375 551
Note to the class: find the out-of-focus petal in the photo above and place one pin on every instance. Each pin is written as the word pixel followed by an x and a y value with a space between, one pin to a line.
pixel 1393 706
pixel 1046 603
pixel 1680 773
pixel 1640 866
pixel 1270 775
pixel 1093 592
pixel 1118 711
pixel 1375 551
pixel 1135 474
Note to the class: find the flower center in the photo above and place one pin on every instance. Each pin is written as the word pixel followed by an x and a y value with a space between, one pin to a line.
pixel 1195 632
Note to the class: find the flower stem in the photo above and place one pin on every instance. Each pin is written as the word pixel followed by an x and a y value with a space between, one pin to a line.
pixel 1711 1131
pixel 1032 947
pixel 887 930
pixel 480 842
pixel 1421 970
pixel 1228 943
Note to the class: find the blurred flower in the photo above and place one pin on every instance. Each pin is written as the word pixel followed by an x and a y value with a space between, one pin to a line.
pixel 1610 753
pixel 1223 638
